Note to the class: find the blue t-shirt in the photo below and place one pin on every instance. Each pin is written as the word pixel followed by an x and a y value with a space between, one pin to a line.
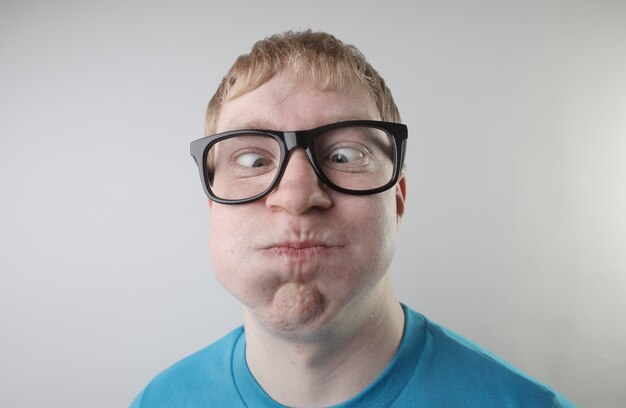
pixel 433 367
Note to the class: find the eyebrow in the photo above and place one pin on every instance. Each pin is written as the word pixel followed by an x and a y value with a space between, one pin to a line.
pixel 264 124
pixel 251 124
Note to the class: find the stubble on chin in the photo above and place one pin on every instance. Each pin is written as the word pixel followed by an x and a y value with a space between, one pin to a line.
pixel 294 306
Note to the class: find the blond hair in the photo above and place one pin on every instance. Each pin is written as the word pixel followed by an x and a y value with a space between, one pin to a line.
pixel 315 56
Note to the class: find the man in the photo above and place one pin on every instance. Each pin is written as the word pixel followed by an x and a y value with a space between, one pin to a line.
pixel 303 170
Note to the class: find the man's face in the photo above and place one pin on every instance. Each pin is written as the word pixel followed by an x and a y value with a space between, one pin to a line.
pixel 305 258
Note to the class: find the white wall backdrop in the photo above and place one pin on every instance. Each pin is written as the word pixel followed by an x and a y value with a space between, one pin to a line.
pixel 515 233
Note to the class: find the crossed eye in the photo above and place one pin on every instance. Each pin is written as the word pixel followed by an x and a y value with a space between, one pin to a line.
pixel 252 160
pixel 344 155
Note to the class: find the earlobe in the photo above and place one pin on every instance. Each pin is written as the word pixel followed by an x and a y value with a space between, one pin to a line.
pixel 400 197
pixel 210 203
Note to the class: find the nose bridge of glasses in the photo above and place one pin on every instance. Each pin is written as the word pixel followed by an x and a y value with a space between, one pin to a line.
pixel 302 139
pixel 295 139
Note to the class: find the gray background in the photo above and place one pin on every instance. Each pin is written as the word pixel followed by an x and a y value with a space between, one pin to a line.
pixel 516 223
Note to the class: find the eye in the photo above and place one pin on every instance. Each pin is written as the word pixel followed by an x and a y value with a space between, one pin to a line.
pixel 252 160
pixel 344 155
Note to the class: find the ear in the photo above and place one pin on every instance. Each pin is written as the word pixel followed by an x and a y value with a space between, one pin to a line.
pixel 210 203
pixel 400 197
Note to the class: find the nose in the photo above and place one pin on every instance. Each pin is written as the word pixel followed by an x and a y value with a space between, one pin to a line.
pixel 299 190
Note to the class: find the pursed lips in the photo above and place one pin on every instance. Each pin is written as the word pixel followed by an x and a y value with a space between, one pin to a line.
pixel 300 250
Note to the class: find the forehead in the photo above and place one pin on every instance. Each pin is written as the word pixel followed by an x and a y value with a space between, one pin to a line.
pixel 287 103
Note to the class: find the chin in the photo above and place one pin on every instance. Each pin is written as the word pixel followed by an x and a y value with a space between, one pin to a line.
pixel 296 311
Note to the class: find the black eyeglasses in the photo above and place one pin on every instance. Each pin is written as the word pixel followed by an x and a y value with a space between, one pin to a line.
pixel 353 157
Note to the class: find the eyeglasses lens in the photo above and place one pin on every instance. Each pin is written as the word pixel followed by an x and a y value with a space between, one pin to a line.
pixel 356 158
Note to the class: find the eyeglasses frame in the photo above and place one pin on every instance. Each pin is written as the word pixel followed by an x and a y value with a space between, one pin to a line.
pixel 304 139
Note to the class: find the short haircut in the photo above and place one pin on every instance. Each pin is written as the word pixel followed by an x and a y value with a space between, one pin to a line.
pixel 311 56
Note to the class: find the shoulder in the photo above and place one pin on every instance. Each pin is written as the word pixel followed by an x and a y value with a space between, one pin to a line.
pixel 200 379
pixel 460 369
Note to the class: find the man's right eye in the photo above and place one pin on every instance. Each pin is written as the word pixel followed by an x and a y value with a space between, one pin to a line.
pixel 252 160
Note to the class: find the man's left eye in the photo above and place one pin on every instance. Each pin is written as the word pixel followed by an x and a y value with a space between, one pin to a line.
pixel 344 155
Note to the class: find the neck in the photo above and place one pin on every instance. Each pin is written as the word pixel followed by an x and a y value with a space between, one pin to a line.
pixel 330 368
